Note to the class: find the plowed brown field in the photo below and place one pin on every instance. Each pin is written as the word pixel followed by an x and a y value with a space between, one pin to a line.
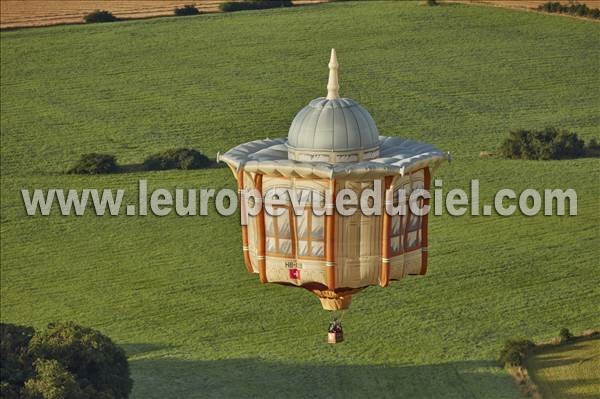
pixel 27 13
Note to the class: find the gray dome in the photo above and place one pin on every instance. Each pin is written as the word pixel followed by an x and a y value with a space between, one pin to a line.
pixel 333 125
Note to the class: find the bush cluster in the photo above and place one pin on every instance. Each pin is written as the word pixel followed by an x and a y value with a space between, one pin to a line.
pixel 99 16
pixel 253 5
pixel 593 148
pixel 94 164
pixel 514 351
pixel 546 144
pixel 580 10
pixel 565 335
pixel 432 3
pixel 63 361
pixel 188 9
pixel 181 158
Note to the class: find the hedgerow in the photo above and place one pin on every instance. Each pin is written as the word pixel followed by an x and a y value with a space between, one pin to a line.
pixel 254 5
pixel 577 9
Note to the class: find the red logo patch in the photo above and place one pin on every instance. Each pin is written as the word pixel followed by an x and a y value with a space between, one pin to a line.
pixel 294 274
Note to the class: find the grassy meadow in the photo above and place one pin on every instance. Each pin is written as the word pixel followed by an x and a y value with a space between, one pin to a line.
pixel 173 290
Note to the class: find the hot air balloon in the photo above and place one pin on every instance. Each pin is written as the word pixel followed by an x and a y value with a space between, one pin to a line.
pixel 333 144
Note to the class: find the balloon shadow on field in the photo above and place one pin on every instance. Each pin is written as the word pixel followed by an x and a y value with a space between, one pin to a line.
pixel 252 377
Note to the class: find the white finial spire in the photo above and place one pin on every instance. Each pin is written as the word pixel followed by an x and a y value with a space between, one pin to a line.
pixel 332 86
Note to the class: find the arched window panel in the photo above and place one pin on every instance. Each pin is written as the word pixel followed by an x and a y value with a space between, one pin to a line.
pixel 278 237
pixel 395 235
pixel 285 246
pixel 318 227
pixel 317 248
pixel 412 239
pixel 294 235
pixel 398 225
pixel 302 228
pixel 283 223
pixel 310 231
pixel 270 234
pixel 413 230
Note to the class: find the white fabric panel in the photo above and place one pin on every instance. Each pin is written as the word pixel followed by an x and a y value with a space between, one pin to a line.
pixel 270 157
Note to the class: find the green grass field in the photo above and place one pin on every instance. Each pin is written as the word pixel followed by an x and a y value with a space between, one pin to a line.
pixel 568 372
pixel 173 290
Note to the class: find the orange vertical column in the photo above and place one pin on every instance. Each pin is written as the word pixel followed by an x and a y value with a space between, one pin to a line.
pixel 385 235
pixel 330 237
pixel 425 223
pixel 262 264
pixel 240 181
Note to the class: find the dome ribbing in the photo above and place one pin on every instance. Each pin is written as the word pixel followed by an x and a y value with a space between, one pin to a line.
pixel 333 129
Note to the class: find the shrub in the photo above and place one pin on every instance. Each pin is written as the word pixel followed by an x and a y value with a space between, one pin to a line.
pixel 94 163
pixel 432 3
pixel 181 158
pixel 98 365
pixel 15 364
pixel 545 144
pixel 254 5
pixel 188 9
pixel 514 351
pixel 565 335
pixel 99 16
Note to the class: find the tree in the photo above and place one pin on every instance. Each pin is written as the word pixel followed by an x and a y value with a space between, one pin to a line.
pixel 52 381
pixel 98 365
pixel 15 363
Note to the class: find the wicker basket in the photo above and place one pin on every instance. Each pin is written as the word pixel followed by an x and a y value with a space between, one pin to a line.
pixel 335 337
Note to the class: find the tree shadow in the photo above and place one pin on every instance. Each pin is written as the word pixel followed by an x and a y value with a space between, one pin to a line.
pixel 252 377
